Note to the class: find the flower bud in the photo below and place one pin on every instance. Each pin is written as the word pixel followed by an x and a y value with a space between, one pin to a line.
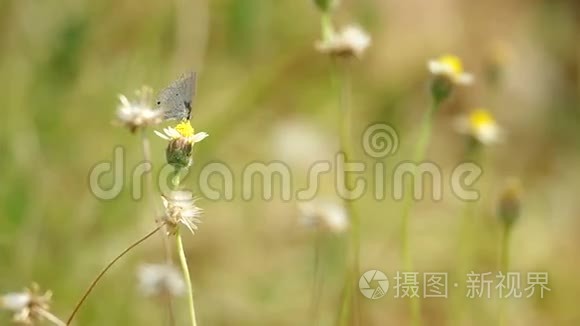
pixel 510 202
pixel 441 88
pixel 179 153
pixel 326 5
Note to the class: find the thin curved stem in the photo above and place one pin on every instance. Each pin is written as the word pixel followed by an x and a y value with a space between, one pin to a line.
pixel 185 270
pixel 104 271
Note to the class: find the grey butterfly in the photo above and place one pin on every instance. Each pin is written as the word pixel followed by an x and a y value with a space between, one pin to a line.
pixel 176 99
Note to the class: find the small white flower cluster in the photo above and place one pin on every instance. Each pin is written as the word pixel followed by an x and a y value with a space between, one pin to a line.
pixel 350 41
pixel 450 66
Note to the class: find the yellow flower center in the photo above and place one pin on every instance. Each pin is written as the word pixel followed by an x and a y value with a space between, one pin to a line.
pixel 452 62
pixel 185 129
pixel 480 118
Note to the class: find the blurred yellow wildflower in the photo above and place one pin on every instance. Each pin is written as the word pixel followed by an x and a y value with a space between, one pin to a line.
pixel 481 125
pixel 450 66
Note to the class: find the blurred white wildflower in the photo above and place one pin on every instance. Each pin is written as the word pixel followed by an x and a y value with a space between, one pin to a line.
pixel 480 125
pixel 180 208
pixel 138 113
pixel 450 66
pixel 160 280
pixel 325 215
pixel 29 306
pixel 350 41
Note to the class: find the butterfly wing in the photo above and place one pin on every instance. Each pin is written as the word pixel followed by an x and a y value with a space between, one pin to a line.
pixel 176 100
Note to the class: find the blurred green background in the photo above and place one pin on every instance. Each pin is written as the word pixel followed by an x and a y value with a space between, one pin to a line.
pixel 265 94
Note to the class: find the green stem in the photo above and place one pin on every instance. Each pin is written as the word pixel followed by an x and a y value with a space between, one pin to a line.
pixel 185 269
pixel 466 237
pixel 104 271
pixel 419 154
pixel 176 179
pixel 465 248
pixel 317 278
pixel 504 262
pixel 146 147
pixel 349 299
pixel 327 29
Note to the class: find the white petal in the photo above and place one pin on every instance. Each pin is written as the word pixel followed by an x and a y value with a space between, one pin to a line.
pixel 161 135
pixel 172 133
pixel 435 67
pixel 165 201
pixel 189 227
pixel 199 136
pixel 15 301
pixel 124 100
pixel 465 79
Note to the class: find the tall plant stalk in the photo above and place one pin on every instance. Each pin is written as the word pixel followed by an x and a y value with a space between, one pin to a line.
pixel 504 263
pixel 317 278
pixel 350 309
pixel 176 180
pixel 185 269
pixel 418 156
pixel 466 237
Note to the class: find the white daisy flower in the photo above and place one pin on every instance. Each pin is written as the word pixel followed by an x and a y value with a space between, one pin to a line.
pixel 450 66
pixel 481 125
pixel 350 41
pixel 183 130
pixel 180 208
pixel 160 279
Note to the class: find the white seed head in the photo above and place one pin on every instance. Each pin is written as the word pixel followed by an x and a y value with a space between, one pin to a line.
pixel 180 208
